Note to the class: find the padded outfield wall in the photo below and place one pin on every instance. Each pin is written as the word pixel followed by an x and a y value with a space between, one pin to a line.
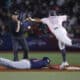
pixel 34 43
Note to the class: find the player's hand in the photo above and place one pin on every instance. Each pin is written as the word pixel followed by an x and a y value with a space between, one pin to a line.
pixel 30 19
pixel 34 20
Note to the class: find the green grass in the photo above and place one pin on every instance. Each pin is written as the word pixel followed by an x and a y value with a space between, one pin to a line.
pixel 40 76
pixel 73 58
pixel 56 58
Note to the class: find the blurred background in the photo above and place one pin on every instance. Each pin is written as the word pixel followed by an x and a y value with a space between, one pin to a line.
pixel 38 36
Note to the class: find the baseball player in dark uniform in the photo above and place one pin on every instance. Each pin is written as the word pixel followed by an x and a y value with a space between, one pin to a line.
pixel 18 36
pixel 16 31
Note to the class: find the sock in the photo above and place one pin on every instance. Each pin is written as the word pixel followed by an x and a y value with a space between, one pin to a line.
pixel 25 55
pixel 63 51
pixel 15 56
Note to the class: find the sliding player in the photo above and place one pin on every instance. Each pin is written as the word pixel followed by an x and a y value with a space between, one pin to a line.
pixel 25 63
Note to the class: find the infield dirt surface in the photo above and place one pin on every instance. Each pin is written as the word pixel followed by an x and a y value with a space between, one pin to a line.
pixel 51 68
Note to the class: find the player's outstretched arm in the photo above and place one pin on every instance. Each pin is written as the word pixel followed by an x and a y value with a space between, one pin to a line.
pixel 34 19
pixel 18 26
pixel 15 18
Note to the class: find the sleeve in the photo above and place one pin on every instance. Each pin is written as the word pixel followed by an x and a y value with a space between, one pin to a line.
pixel 62 18
pixel 65 17
pixel 44 20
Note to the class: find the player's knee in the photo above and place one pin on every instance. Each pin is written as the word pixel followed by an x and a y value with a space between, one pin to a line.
pixel 61 47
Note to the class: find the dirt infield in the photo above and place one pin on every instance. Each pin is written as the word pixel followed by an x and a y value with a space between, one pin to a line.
pixel 51 68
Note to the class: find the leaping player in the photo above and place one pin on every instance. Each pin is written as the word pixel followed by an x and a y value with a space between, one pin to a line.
pixel 54 23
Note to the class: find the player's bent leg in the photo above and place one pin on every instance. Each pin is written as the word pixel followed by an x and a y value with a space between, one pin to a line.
pixel 23 64
pixel 5 62
pixel 61 35
pixel 66 40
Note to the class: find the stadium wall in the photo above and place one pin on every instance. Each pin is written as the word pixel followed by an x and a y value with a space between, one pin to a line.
pixel 34 43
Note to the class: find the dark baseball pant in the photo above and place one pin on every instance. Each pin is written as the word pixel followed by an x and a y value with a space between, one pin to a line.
pixel 16 41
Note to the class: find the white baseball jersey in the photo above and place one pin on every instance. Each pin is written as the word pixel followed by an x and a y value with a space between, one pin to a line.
pixel 22 64
pixel 55 25
pixel 54 22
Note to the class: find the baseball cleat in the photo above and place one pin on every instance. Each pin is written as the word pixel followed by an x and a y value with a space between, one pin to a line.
pixel 64 64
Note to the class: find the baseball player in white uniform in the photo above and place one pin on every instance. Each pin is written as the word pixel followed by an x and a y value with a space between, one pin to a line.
pixel 54 23
pixel 25 63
